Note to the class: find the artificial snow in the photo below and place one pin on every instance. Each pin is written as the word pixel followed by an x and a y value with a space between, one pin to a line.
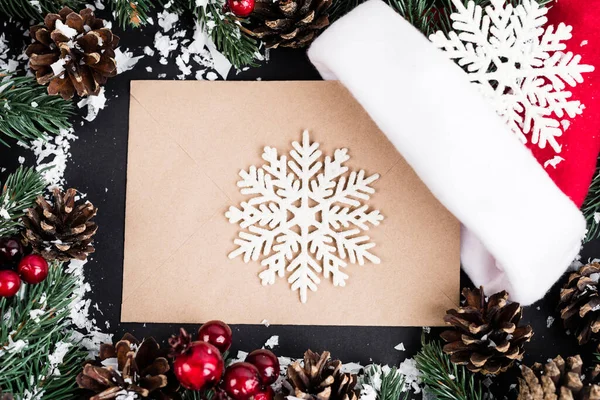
pixel 58 67
pixel 400 347
pixel 167 20
pixel 65 29
pixel 272 214
pixel 272 342
pixel 125 60
pixel 549 322
pixel 56 357
pixel 52 155
pixel 412 375
pixel 518 65
pixel 553 162
pixel 94 104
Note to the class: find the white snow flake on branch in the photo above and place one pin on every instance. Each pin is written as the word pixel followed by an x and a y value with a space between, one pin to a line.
pixel 305 216
pixel 519 64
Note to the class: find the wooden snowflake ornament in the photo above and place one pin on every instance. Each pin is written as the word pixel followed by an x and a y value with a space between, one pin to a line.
pixel 519 64
pixel 305 216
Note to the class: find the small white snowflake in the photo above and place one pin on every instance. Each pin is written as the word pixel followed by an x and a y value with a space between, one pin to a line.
pixel 519 65
pixel 305 216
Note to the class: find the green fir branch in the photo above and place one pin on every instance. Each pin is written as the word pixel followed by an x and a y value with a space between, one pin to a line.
pixel 447 381
pixel 35 321
pixel 18 193
pixel 591 208
pixel 133 13
pixel 35 9
pixel 28 112
pixel 387 382
pixel 224 29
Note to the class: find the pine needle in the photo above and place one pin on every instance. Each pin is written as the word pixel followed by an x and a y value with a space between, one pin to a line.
pixel 447 381
pixel 19 193
pixel 591 208
pixel 37 317
pixel 28 112
pixel 131 13
pixel 226 32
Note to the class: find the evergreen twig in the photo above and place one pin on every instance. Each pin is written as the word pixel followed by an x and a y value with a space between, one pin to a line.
pixel 226 32
pixel 28 112
pixel 24 9
pixel 447 381
pixel 387 382
pixel 19 193
pixel 131 13
pixel 591 208
pixel 38 319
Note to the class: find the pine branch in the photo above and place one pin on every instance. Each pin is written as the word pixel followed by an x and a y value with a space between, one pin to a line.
pixel 35 324
pixel 28 112
pixel 19 193
pixel 447 381
pixel 387 382
pixel 132 13
pixel 591 208
pixel 36 10
pixel 226 32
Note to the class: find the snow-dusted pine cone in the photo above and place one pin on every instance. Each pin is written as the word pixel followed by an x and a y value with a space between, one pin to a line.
pixel 559 380
pixel 580 303
pixel 288 23
pixel 319 378
pixel 72 52
pixel 62 230
pixel 486 337
pixel 129 368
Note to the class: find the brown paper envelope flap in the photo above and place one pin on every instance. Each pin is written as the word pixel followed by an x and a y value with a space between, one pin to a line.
pixel 189 140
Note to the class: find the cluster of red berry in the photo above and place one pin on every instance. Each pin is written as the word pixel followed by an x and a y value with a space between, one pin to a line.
pixel 199 365
pixel 15 267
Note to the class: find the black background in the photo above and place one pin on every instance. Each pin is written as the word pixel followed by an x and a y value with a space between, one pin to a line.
pixel 98 168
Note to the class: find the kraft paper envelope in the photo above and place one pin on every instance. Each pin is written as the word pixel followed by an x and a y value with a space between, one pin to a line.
pixel 188 142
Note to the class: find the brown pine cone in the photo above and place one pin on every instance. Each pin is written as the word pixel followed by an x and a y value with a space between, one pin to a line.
pixel 178 344
pixel 72 52
pixel 129 367
pixel 558 380
pixel 319 378
pixel 288 23
pixel 63 230
pixel 580 304
pixel 486 336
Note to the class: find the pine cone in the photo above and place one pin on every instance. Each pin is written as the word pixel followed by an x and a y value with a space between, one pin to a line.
pixel 288 23
pixel 179 343
pixel 320 378
pixel 580 304
pixel 129 367
pixel 72 52
pixel 486 337
pixel 61 231
pixel 557 380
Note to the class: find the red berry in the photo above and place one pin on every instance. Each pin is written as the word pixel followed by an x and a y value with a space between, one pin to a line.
pixel 267 364
pixel 241 381
pixel 217 333
pixel 200 367
pixel 33 269
pixel 11 250
pixel 241 8
pixel 265 393
pixel 9 283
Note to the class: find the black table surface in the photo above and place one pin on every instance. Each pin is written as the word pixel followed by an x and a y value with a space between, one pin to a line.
pixel 98 168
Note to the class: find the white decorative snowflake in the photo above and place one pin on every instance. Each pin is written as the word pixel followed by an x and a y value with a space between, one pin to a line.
pixel 305 216
pixel 518 64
